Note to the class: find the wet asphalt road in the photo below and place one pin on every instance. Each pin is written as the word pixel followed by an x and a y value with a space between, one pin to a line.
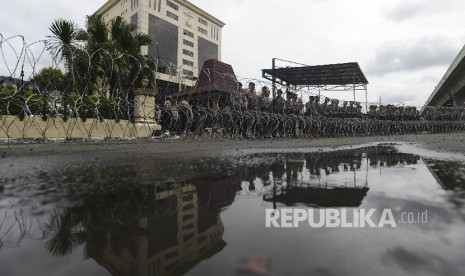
pixel 21 157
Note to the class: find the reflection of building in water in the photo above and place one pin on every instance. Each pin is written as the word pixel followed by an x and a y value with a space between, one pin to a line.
pixel 172 240
pixel 169 229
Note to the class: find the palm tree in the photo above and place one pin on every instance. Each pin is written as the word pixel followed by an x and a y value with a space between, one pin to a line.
pixel 104 54
pixel 116 53
pixel 126 44
pixel 63 43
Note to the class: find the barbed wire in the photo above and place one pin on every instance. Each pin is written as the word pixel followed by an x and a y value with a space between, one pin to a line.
pixel 101 86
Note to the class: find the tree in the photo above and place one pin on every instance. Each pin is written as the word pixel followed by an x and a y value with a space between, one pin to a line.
pixel 50 79
pixel 116 53
pixel 63 43
pixel 110 56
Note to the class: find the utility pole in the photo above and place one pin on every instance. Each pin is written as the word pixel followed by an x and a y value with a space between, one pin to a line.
pixel 273 63
pixel 22 77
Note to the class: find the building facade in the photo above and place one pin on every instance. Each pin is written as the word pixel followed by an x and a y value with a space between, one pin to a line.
pixel 183 35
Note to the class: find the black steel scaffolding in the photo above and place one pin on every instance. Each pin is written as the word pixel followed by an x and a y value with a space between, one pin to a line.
pixel 329 77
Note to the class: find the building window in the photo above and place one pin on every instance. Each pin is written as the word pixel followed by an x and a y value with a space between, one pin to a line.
pixel 189 34
pixel 172 5
pixel 134 4
pixel 172 15
pixel 203 21
pixel 188 53
pixel 203 31
pixel 187 73
pixel 188 43
pixel 188 62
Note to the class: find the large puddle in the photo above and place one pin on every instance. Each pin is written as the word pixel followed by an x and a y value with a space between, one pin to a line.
pixel 209 217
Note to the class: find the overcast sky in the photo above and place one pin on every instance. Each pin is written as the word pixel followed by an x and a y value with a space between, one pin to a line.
pixel 404 47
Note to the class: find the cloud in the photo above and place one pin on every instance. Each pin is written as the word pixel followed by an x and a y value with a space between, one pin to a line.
pixel 409 87
pixel 424 53
pixel 307 31
pixel 398 97
pixel 405 10
pixel 36 17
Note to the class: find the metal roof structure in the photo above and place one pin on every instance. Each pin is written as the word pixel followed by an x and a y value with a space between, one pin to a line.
pixel 329 77
pixel 337 75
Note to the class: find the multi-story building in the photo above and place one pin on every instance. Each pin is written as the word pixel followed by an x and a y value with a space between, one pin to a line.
pixel 183 35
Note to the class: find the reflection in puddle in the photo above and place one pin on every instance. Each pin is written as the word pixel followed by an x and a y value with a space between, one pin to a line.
pixel 322 197
pixel 131 220
pixel 157 231
pixel 451 177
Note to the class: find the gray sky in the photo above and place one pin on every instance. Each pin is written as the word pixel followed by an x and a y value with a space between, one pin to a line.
pixel 403 46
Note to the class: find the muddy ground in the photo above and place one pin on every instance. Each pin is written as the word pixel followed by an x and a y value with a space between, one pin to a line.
pixel 448 142
pixel 23 161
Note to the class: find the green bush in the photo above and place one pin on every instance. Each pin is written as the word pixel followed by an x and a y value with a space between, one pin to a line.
pixel 26 103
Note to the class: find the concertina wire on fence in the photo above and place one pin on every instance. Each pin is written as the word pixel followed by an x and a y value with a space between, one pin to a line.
pixel 101 87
